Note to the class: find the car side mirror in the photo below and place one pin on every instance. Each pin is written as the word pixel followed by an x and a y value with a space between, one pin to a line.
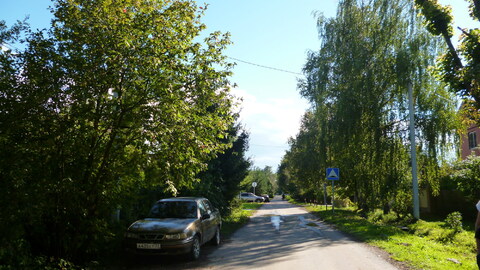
pixel 205 216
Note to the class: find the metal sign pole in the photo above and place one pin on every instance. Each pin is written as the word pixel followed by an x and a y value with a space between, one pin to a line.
pixel 325 195
pixel 333 196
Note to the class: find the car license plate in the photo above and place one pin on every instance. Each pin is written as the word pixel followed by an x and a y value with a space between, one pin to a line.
pixel 148 246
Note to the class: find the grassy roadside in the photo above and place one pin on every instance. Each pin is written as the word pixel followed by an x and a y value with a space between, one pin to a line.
pixel 422 245
pixel 238 218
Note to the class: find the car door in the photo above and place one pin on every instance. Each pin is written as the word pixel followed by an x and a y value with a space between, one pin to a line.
pixel 206 223
pixel 215 214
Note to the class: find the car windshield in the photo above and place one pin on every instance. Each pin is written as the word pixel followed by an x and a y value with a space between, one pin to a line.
pixel 174 209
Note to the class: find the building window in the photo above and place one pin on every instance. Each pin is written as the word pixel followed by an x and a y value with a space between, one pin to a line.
pixel 472 140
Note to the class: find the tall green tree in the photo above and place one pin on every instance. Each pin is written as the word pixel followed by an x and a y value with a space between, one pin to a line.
pixel 116 96
pixel 284 176
pixel 220 183
pixel 357 85
pixel 302 164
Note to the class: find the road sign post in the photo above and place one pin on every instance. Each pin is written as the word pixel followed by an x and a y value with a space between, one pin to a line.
pixel 334 175
pixel 325 195
pixel 333 197
pixel 254 184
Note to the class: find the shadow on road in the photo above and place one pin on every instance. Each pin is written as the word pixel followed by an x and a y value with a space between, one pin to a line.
pixel 165 262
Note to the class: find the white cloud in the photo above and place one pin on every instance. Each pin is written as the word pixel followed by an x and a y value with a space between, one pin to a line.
pixel 271 122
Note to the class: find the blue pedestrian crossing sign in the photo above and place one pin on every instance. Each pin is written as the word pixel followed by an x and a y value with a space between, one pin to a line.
pixel 333 174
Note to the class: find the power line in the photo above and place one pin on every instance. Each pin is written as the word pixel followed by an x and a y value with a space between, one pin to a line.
pixel 262 66
pixel 9 46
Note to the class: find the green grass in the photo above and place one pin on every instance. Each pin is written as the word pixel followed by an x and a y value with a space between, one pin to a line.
pixel 251 206
pixel 238 218
pixel 426 245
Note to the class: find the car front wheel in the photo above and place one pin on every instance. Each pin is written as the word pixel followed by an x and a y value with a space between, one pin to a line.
pixel 195 251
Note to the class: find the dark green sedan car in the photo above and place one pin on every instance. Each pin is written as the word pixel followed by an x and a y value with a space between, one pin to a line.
pixel 175 226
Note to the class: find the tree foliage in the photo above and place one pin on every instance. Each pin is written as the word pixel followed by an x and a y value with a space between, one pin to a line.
pixel 357 85
pixel 466 176
pixel 265 179
pixel 116 96
pixel 459 67
pixel 220 183
pixel 300 168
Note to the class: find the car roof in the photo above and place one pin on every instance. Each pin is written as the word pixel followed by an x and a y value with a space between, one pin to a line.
pixel 182 199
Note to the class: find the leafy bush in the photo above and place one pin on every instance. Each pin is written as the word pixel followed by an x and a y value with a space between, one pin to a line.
pixel 343 202
pixel 402 203
pixel 390 218
pixel 379 217
pixel 443 233
pixel 454 221
pixel 375 216
pixel 467 176
pixel 17 255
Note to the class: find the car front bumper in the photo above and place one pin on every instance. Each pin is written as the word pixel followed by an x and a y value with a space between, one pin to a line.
pixel 166 247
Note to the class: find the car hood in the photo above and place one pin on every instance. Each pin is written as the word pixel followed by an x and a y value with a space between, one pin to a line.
pixel 164 225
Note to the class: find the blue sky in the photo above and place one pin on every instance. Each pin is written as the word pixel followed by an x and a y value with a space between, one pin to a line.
pixel 275 33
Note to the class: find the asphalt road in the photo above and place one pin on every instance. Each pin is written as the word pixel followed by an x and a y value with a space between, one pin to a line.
pixel 281 236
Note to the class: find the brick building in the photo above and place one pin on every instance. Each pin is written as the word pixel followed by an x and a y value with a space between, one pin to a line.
pixel 470 143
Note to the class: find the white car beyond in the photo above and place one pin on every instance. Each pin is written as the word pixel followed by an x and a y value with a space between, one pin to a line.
pixel 250 197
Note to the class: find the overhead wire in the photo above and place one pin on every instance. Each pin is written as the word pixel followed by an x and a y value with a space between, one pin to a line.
pixel 267 67
pixel 11 47
pixel 272 68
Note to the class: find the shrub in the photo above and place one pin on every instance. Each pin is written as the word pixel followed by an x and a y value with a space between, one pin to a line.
pixel 375 216
pixel 343 202
pixel 454 221
pixel 432 231
pixel 390 218
pixel 379 217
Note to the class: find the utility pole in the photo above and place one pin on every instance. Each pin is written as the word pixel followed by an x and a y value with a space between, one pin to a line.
pixel 413 153
pixel 413 146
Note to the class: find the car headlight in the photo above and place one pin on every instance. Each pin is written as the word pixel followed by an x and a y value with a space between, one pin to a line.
pixel 131 235
pixel 176 236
